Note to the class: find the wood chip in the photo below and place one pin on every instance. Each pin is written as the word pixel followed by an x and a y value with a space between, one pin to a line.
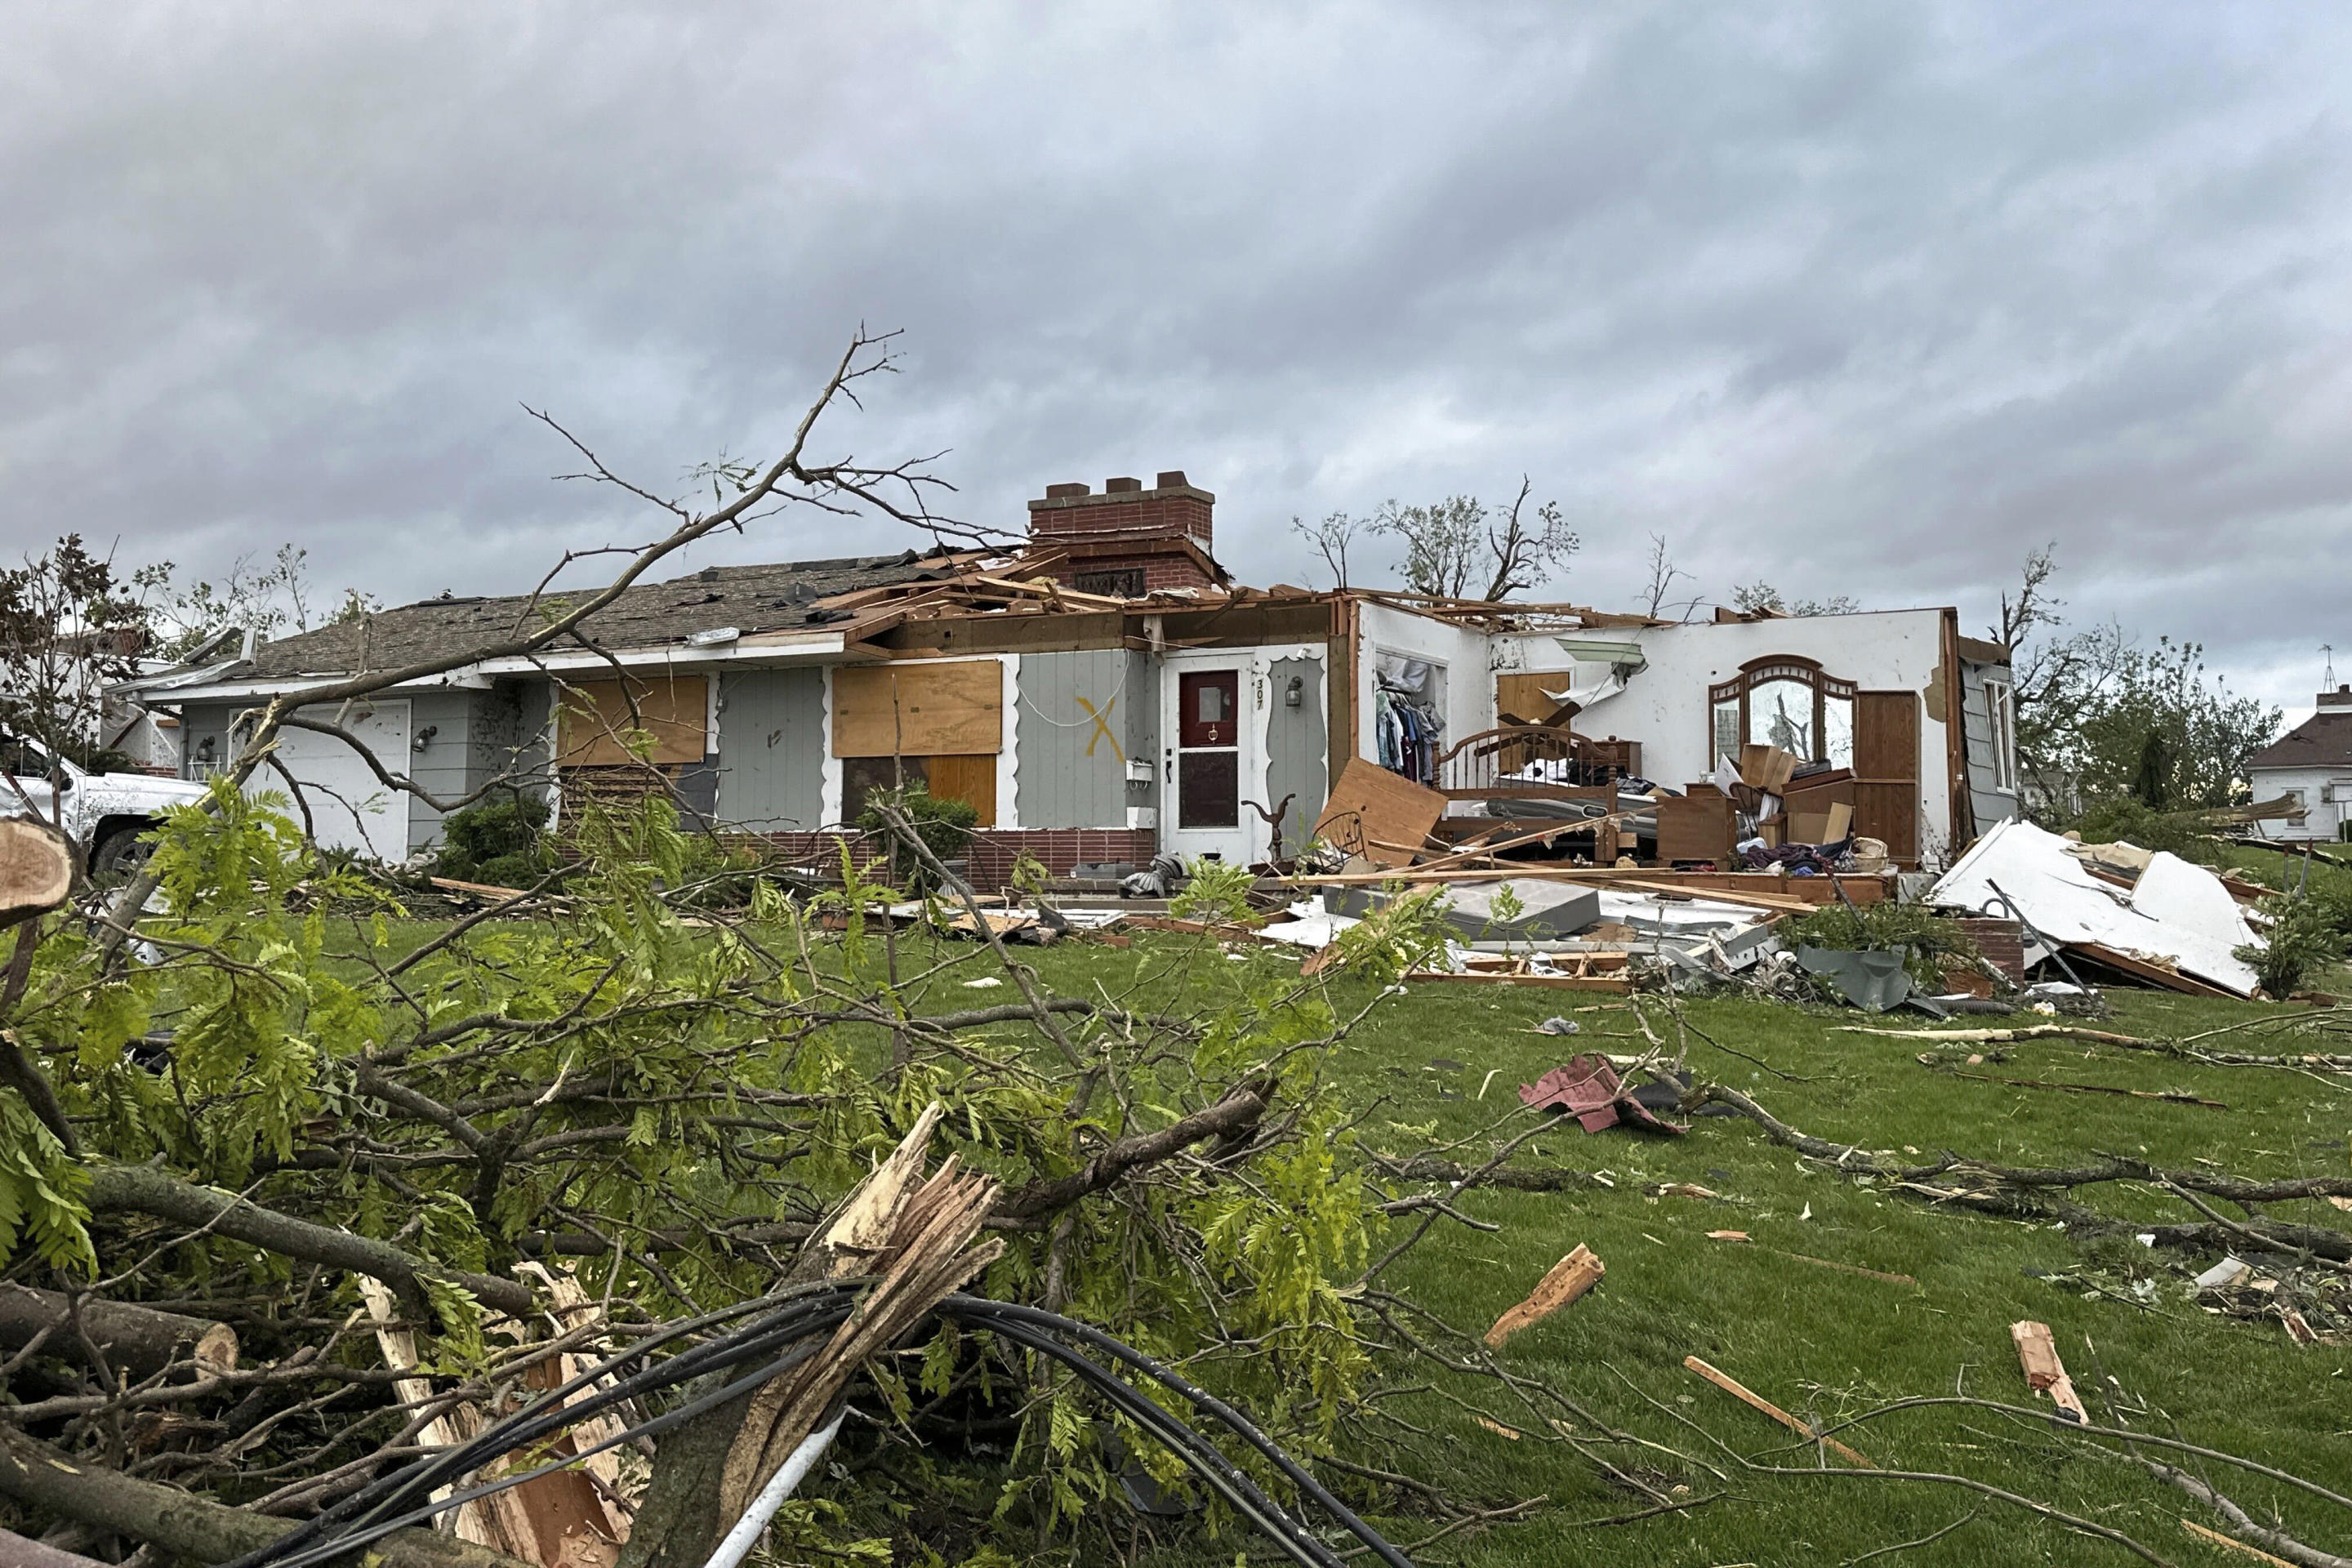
pixel 1726 1236
pixel 1570 1277
pixel 2037 1354
pixel 1498 1428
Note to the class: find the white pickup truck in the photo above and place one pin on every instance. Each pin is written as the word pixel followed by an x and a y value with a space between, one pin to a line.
pixel 103 814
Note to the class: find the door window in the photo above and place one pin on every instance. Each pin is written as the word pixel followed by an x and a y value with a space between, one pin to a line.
pixel 1209 701
pixel 1208 755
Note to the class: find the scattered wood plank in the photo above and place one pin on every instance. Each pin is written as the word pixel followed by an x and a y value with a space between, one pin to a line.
pixel 1568 1279
pixel 1732 1386
pixel 1780 903
pixel 1616 985
pixel 2231 1543
pixel 2001 1036
pixel 1369 806
pixel 2037 1355
pixel 2153 973
pixel 479 889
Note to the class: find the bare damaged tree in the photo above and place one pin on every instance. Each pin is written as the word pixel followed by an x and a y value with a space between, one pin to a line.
pixel 1450 544
pixel 741 494
pixel 1662 572
pixel 1331 537
pixel 1529 547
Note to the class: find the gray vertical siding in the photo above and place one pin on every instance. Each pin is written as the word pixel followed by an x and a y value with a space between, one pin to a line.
pixel 771 745
pixel 1991 804
pixel 1141 702
pixel 1296 740
pixel 443 765
pixel 1071 774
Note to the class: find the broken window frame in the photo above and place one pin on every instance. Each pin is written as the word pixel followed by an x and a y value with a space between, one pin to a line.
pixel 2001 708
pixel 1111 583
pixel 1728 700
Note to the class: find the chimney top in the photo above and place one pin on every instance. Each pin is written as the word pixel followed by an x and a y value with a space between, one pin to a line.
pixel 1170 479
pixel 1063 493
pixel 2339 698
pixel 1121 486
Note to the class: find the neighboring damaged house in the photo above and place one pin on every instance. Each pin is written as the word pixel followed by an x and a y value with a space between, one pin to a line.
pixel 1108 693
pixel 2311 766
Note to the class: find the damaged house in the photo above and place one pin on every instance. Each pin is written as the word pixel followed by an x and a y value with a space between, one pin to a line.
pixel 1106 693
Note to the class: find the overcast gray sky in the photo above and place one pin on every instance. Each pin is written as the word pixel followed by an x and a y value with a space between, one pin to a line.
pixel 1866 299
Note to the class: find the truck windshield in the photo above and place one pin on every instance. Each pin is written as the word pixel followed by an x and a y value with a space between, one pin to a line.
pixel 25 760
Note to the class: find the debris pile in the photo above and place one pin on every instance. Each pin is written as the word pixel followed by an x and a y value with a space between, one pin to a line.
pixel 2153 917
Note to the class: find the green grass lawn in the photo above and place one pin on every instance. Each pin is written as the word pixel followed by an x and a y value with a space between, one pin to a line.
pixel 1819 1340
pixel 1815 1339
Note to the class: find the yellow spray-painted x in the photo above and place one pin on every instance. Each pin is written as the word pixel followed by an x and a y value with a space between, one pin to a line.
pixel 1102 727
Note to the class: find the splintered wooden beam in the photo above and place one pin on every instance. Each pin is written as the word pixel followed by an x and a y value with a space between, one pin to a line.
pixel 1570 1277
pixel 2037 1354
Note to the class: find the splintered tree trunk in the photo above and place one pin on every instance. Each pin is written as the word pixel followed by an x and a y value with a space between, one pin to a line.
pixel 914 1237
pixel 677 1523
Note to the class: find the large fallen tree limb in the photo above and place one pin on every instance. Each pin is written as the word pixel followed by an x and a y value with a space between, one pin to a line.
pixel 183 1524
pixel 1853 1157
pixel 138 1340
pixel 136 1189
pixel 1236 1113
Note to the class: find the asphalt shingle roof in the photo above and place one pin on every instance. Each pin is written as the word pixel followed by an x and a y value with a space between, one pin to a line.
pixel 2322 740
pixel 777 597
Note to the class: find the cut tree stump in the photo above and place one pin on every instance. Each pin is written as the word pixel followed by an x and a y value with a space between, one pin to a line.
pixel 36 868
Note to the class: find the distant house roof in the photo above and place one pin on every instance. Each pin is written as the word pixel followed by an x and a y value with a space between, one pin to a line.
pixel 779 596
pixel 2322 740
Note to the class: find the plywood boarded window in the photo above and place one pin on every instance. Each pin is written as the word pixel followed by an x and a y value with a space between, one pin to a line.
pixel 950 709
pixel 603 720
pixel 969 779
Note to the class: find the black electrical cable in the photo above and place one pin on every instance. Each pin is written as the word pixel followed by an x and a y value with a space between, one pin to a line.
pixel 974 1307
pixel 376 1529
pixel 1212 1466
pixel 829 1302
pixel 789 1326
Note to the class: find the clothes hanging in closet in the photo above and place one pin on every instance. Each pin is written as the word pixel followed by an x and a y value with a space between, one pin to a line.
pixel 1408 732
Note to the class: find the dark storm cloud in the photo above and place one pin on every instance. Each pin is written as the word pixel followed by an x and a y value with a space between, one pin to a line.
pixel 1859 298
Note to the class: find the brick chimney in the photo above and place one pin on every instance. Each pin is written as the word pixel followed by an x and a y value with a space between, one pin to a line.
pixel 2339 698
pixel 1128 541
